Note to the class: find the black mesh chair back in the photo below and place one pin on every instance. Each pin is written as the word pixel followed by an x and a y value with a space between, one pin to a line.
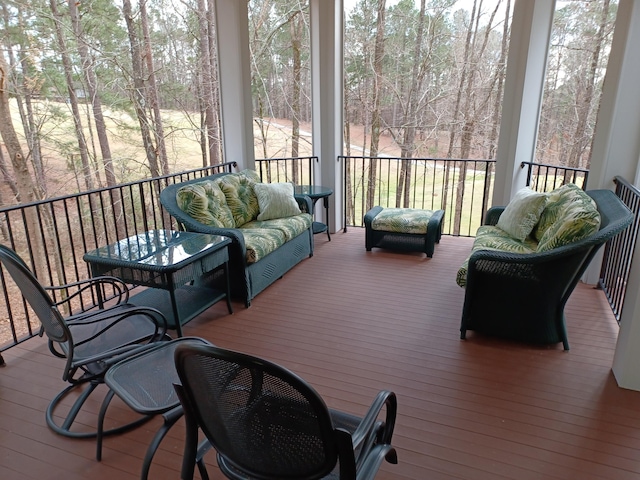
pixel 37 298
pixel 264 421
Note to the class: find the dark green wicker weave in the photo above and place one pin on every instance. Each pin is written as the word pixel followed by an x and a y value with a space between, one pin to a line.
pixel 404 242
pixel 522 296
pixel 247 280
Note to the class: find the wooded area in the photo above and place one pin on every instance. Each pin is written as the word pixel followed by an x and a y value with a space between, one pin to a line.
pixel 422 79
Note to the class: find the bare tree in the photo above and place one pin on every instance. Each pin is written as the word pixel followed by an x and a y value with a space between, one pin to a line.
pixel 158 129
pixel 376 119
pixel 138 93
pixel 73 97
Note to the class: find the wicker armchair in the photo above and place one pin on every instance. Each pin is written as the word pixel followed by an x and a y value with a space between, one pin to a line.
pixel 522 296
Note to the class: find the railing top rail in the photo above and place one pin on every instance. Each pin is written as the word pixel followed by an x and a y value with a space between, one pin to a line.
pixel 421 159
pixel 314 157
pixel 560 167
pixel 10 208
pixel 621 181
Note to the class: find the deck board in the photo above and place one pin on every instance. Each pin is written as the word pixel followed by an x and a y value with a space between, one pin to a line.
pixel 351 323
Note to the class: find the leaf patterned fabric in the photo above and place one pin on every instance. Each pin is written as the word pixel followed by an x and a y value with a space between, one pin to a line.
pixel 205 202
pixel 577 218
pixel 241 199
pixel 489 237
pixel 260 242
pixel 291 227
pixel 402 220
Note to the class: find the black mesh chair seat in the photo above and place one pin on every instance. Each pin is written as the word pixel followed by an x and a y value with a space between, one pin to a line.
pixel 91 339
pixel 265 422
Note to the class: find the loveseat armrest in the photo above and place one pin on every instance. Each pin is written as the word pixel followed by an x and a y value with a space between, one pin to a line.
pixel 304 202
pixel 493 214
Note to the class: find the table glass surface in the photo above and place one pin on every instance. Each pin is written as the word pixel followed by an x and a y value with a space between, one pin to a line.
pixel 157 248
pixel 313 190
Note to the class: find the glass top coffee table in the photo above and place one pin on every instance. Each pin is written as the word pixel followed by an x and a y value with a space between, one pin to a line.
pixel 186 272
pixel 317 192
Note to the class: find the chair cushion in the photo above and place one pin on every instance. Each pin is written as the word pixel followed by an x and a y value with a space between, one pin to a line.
pixel 260 242
pixel 275 200
pixel 402 220
pixel 240 196
pixel 291 227
pixel 578 219
pixel 206 203
pixel 489 237
pixel 522 213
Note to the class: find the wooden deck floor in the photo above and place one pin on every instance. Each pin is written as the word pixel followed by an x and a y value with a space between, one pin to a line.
pixel 351 323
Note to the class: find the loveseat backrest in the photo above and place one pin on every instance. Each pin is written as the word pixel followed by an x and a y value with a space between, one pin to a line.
pixel 614 215
pixel 170 204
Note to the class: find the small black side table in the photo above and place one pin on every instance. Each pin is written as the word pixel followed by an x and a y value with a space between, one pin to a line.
pixel 145 383
pixel 317 192
pixel 179 267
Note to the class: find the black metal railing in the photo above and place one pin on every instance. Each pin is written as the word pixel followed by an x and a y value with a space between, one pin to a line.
pixel 618 252
pixel 298 170
pixel 462 188
pixel 52 236
pixel 542 177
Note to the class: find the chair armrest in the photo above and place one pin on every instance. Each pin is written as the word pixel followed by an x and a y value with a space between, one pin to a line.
pixel 117 312
pixel 304 202
pixel 370 215
pixel 492 215
pixel 94 285
pixel 384 398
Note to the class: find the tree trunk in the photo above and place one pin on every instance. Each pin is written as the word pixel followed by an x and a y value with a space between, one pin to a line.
pixel 409 121
pixel 73 98
pixel 26 188
pixel 139 96
pixel 158 129
pixel 101 128
pixel 207 80
pixel 581 140
pixel 216 127
pixel 376 120
pixel 296 45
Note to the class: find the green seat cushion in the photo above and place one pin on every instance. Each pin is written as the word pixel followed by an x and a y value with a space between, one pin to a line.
pixel 402 220
pixel 240 196
pixel 291 227
pixel 522 213
pixel 260 242
pixel 205 202
pixel 489 237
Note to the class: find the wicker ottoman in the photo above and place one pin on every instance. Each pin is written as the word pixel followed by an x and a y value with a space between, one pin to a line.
pixel 404 229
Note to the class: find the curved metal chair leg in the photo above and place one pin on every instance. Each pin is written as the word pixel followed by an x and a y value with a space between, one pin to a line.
pixel 65 428
pixel 170 418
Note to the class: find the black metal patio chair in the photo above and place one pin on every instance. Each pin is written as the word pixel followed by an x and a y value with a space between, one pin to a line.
pixel 91 338
pixel 267 423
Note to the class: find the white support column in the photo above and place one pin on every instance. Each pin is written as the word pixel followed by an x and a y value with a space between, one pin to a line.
pixel 326 18
pixel 234 73
pixel 616 143
pixel 526 67
pixel 615 152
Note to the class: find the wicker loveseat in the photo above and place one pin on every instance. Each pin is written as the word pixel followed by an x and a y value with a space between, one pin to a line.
pixel 269 226
pixel 517 288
